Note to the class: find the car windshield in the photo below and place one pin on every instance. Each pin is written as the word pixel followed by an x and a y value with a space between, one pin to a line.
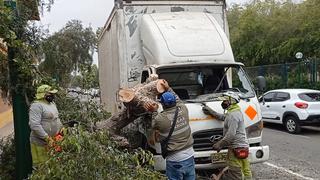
pixel 207 83
pixel 310 97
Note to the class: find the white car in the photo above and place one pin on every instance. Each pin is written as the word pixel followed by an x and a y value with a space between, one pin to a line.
pixel 291 107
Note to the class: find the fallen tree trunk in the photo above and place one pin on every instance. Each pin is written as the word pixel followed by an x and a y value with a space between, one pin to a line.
pixel 138 101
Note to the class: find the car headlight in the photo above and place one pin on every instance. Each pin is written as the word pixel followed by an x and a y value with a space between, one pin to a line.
pixel 254 130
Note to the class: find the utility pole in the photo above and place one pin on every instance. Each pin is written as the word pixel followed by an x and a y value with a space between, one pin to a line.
pixel 21 119
pixel 23 166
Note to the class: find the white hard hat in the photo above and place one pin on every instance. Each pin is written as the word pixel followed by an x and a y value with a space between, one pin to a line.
pixel 234 97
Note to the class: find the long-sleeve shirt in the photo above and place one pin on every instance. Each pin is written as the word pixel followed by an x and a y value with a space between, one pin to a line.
pixel 181 137
pixel 234 133
pixel 43 121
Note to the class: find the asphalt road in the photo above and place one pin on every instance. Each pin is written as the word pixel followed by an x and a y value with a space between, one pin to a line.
pixel 291 156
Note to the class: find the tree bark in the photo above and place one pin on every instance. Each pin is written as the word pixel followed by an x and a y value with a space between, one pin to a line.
pixel 137 101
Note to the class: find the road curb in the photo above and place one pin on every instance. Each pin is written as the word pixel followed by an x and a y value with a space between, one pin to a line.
pixel 5 118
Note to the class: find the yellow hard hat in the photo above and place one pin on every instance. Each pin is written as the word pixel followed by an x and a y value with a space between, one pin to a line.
pixel 44 89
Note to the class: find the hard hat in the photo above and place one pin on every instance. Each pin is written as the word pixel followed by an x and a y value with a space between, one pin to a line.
pixel 232 96
pixel 168 99
pixel 44 89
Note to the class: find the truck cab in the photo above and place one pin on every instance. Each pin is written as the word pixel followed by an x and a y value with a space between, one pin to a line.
pixel 201 84
pixel 185 43
pixel 191 51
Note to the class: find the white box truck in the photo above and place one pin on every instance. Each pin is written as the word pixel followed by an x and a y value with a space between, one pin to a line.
pixel 185 43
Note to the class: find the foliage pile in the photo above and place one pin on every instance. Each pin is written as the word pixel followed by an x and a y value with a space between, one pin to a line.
pixel 87 155
pixel 271 31
pixel 81 108
pixel 7 158
pixel 90 154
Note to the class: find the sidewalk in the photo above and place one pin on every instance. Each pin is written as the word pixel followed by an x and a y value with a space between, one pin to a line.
pixel 6 130
pixel 6 119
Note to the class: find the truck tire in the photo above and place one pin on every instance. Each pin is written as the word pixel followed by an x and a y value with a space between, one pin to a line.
pixel 291 123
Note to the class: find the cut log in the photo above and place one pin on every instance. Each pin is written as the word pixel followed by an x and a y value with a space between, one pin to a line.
pixel 137 101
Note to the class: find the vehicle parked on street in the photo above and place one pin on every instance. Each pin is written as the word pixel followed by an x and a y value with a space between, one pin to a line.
pixel 291 107
pixel 186 43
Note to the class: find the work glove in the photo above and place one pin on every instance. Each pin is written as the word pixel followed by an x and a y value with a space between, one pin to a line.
pixel 49 141
pixel 150 106
pixel 58 137
pixel 219 145
pixel 208 111
pixel 63 131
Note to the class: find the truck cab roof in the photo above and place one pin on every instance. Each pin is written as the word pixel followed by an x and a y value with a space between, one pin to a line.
pixel 192 64
pixel 180 37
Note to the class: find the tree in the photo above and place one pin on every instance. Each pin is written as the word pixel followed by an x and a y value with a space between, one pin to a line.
pixel 89 77
pixel 24 38
pixel 67 50
pixel 271 31
pixel 21 39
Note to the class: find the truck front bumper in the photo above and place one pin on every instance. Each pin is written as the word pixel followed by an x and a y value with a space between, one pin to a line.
pixel 257 154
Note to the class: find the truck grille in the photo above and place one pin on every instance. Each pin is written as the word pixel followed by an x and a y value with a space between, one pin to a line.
pixel 203 140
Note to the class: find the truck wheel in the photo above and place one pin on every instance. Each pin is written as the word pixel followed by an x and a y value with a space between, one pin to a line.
pixel 292 125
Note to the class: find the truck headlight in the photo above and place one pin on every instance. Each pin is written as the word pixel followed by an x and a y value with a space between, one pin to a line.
pixel 254 130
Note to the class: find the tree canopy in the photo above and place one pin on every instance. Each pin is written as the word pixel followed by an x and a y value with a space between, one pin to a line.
pixel 68 49
pixel 271 31
pixel 23 39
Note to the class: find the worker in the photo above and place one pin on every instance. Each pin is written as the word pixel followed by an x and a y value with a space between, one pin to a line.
pixel 44 123
pixel 175 138
pixel 234 138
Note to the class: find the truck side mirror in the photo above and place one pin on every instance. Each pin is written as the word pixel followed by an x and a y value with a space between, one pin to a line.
pixel 261 83
pixel 261 99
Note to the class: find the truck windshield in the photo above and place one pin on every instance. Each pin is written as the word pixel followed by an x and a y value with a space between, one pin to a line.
pixel 200 82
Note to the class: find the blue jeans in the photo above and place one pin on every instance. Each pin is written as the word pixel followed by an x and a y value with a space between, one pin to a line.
pixel 183 170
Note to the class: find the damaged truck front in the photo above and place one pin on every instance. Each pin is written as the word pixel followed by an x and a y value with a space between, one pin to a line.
pixel 185 43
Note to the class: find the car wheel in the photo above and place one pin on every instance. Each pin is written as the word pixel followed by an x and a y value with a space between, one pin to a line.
pixel 292 125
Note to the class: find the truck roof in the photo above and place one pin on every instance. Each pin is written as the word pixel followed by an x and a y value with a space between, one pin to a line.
pixel 177 37
pixel 192 64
